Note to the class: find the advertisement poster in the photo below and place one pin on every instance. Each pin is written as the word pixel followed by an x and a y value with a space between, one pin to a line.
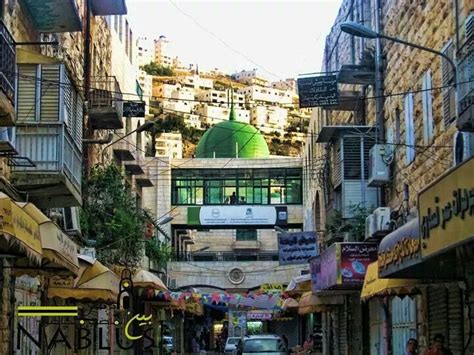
pixel 315 268
pixel 355 259
pixel 241 215
pixel 329 267
pixel 296 248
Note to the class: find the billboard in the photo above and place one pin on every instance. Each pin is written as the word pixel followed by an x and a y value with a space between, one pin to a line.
pixel 244 215
pixel 296 248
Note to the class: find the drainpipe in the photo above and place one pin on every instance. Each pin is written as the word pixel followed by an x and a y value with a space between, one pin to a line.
pixel 379 85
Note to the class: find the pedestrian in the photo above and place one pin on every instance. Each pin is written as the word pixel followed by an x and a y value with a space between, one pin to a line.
pixel 308 344
pixel 233 199
pixel 412 347
pixel 285 339
pixel 195 345
pixel 438 348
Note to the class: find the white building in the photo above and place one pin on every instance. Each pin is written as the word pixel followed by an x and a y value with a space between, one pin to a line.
pixel 287 84
pixel 145 51
pixel 212 115
pixel 250 77
pixel 255 93
pixel 163 53
pixel 197 82
pixel 192 120
pixel 221 98
pixel 146 83
pixel 169 144
pixel 269 119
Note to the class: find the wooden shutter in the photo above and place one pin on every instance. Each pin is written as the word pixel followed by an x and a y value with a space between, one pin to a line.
pixel 50 86
pixel 449 100
pixel 77 128
pixel 409 129
pixel 427 101
pixel 26 94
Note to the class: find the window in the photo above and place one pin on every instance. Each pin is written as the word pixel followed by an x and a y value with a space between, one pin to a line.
pixel 246 234
pixel 120 28
pixel 409 129
pixel 449 102
pixel 427 101
pixel 397 126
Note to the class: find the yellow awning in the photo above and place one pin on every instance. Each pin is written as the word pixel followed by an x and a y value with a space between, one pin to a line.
pixel 95 282
pixel 59 251
pixel 289 303
pixel 146 279
pixel 310 303
pixel 373 286
pixel 25 56
pixel 19 232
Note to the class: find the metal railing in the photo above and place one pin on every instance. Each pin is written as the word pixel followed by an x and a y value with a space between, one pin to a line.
pixel 7 63
pixel 105 92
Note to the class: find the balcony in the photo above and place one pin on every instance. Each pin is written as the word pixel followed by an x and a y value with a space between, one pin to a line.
pixel 246 245
pixel 105 103
pixel 134 167
pixel 50 135
pixel 465 120
pixel 109 7
pixel 54 15
pixel 124 149
pixel 7 77
pixel 348 101
pixel 144 180
pixel 356 74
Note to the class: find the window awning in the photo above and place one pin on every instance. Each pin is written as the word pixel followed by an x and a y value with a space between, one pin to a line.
pixel 59 252
pixel 146 279
pixel 25 56
pixel 95 282
pixel 375 286
pixel 299 284
pixel 19 232
pixel 289 303
pixel 310 303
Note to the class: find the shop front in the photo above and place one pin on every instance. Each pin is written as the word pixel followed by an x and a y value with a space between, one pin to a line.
pixel 337 277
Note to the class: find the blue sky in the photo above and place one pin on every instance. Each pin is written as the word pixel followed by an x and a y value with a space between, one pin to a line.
pixel 280 38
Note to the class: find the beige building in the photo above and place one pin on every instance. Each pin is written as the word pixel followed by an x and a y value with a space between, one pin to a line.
pixel 169 144
pixel 163 52
pixel 269 119
pixel 250 77
pixel 255 94
pixel 212 115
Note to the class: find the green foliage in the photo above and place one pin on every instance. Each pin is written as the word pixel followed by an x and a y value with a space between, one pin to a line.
pixel 337 225
pixel 110 216
pixel 159 252
pixel 157 70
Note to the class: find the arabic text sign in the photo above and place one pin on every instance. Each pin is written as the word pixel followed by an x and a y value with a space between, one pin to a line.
pixel 446 210
pixel 296 248
pixel 134 109
pixel 355 259
pixel 328 267
pixel 259 316
pixel 318 91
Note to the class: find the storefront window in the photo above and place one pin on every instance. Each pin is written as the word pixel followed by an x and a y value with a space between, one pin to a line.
pixel 246 234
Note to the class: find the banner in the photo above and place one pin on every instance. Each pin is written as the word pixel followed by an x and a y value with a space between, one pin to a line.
pixel 315 269
pixel 296 248
pixel 237 215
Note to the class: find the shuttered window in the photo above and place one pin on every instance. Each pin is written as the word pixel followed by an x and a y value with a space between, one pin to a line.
pixel 427 101
pixel 354 167
pixel 27 90
pixel 449 100
pixel 409 129
pixel 50 79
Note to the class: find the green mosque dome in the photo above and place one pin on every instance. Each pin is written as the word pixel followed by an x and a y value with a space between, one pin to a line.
pixel 231 139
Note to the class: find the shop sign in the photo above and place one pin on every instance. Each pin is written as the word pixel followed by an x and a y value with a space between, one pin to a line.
pixel 259 316
pixel 446 210
pixel 400 249
pixel 345 264
pixel 315 269
pixel 296 248
pixel 318 91
pixel 133 109
pixel 273 287
pixel 237 215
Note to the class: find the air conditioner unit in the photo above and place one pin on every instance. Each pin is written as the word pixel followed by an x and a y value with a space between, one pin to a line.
pixel 381 221
pixel 71 220
pixel 463 147
pixel 379 172
pixel 369 226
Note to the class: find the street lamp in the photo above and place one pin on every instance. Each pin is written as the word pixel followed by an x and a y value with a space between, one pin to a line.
pixel 164 221
pixel 356 29
pixel 144 127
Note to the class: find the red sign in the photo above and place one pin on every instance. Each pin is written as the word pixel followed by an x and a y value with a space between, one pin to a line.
pixel 355 259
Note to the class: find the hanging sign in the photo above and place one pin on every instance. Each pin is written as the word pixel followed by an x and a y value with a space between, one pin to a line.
pixel 318 91
pixel 296 248
pixel 134 109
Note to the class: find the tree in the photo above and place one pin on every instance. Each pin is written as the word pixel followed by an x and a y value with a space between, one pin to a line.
pixel 157 70
pixel 110 217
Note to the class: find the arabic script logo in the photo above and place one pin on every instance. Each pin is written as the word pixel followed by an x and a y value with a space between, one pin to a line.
pixel 144 320
pixel 215 213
